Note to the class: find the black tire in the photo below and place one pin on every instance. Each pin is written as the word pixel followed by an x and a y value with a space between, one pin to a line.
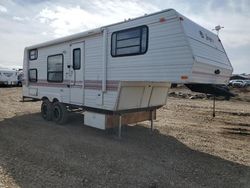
pixel 60 113
pixel 46 110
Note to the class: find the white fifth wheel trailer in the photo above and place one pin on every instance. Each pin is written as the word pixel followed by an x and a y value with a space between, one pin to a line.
pixel 8 77
pixel 120 73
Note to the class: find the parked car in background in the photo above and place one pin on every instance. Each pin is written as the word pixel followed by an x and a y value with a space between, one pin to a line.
pixel 238 83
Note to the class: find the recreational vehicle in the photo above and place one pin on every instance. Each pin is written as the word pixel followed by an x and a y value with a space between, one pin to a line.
pixel 120 73
pixel 8 77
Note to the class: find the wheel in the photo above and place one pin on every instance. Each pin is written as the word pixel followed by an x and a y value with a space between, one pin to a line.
pixel 60 113
pixel 46 110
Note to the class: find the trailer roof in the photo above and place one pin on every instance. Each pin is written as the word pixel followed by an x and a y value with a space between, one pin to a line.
pixel 89 32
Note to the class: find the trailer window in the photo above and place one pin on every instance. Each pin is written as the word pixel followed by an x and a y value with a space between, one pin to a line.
pixel 133 41
pixel 33 54
pixel 77 59
pixel 33 75
pixel 55 68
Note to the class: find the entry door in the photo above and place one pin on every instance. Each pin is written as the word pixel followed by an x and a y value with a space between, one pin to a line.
pixel 77 74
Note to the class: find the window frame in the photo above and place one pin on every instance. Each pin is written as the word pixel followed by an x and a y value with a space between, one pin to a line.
pixel 33 80
pixel 140 45
pixel 74 58
pixel 36 54
pixel 57 81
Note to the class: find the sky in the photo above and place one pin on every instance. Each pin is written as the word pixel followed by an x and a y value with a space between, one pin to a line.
pixel 27 22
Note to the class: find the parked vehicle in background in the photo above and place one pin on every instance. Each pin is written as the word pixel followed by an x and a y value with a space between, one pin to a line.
pixel 8 77
pixel 230 82
pixel 20 77
pixel 238 83
pixel 247 82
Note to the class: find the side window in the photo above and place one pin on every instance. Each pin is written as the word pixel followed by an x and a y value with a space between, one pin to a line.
pixel 133 41
pixel 33 75
pixel 33 54
pixel 77 59
pixel 55 68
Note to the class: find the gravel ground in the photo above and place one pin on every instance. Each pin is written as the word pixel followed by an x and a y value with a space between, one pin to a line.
pixel 188 148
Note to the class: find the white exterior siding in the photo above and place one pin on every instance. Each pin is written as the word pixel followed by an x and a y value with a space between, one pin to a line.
pixel 209 54
pixel 204 73
pixel 41 63
pixel 110 99
pixel 168 50
pixel 59 92
pixel 93 99
pixel 93 58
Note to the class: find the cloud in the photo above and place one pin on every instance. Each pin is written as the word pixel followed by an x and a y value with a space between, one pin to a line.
pixel 68 20
pixel 233 17
pixel 17 18
pixel 65 21
pixel 3 9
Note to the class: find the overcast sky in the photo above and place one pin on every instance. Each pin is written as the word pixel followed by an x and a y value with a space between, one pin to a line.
pixel 27 22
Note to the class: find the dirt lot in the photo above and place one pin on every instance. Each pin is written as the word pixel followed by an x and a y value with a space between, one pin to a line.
pixel 189 148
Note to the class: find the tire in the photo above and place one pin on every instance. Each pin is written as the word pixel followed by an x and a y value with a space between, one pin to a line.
pixel 46 110
pixel 60 113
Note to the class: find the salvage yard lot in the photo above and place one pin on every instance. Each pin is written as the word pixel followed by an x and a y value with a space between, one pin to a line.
pixel 188 148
